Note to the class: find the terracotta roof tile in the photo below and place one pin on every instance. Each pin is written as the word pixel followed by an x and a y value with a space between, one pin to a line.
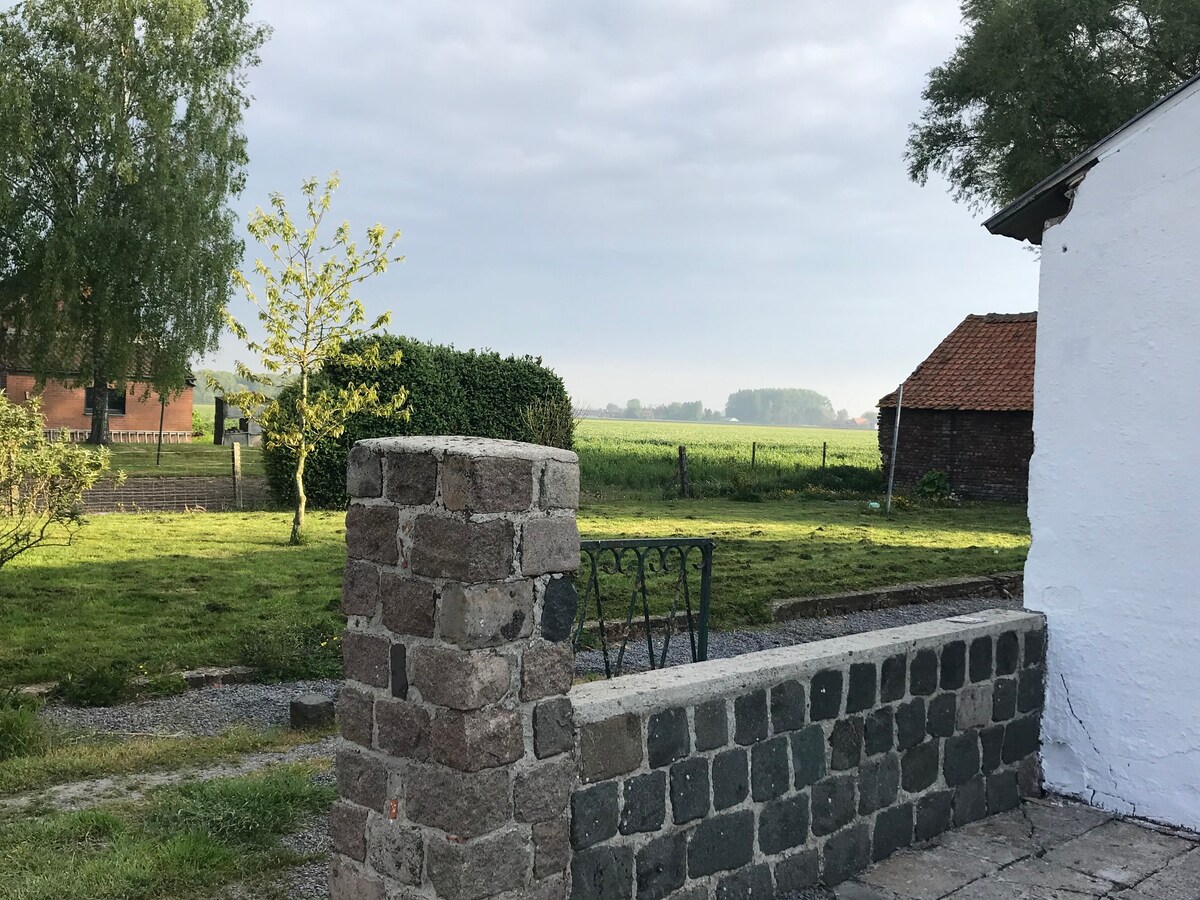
pixel 986 363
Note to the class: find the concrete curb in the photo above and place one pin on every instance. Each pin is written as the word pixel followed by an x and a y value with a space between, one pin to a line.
pixel 1003 585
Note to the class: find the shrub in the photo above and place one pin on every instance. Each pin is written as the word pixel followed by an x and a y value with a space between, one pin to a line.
pixel 22 732
pixel 290 652
pixel 104 685
pixel 551 421
pixel 451 392
pixel 934 485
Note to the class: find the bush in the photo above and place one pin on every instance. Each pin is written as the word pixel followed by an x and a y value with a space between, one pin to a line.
pixel 481 394
pixel 293 652
pixel 105 685
pixel 934 486
pixel 22 732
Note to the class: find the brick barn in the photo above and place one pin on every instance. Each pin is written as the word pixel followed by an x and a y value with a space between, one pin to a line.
pixel 133 414
pixel 968 410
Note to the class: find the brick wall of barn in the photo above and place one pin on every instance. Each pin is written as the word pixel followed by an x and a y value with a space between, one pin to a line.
pixel 64 406
pixel 986 454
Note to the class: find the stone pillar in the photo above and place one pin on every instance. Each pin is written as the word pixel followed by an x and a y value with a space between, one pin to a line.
pixel 457 757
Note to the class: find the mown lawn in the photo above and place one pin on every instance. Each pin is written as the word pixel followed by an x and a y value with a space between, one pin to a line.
pixel 171 591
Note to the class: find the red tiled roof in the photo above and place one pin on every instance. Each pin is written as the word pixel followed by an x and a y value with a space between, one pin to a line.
pixel 986 363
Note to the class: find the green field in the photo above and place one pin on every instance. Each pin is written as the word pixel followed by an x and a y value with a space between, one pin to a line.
pixel 196 458
pixel 620 458
pixel 171 591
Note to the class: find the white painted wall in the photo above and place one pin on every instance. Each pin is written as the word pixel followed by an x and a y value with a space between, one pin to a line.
pixel 1115 478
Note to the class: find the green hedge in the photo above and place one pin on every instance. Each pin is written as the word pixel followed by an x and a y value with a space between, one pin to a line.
pixel 450 392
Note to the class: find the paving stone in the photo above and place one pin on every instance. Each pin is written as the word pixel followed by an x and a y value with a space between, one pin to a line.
pixel 852 890
pixel 893 680
pixel 1178 880
pixel 549 546
pixel 644 803
pixel 750 717
pixel 934 814
pixel 554 733
pixel 611 747
pixel 560 605
pixel 826 691
pixel 769 773
pixel 787 706
pixel 878 783
pixel 1055 822
pixel 797 871
pixel 942 716
pixel 919 767
pixel 960 758
pixel 1034 879
pixel 689 789
pixel 667 737
pixel 720 843
pixel 730 778
pixel 661 867
pixel 979 665
pixel 846 743
pixel 749 884
pixel 783 824
pixel 1008 653
pixel 808 756
pixel 832 803
pixel 864 681
pixel 1120 852
pixel 879 731
pixel 970 802
pixel 475 616
pixel 712 725
pixel 974 706
pixel 594 815
pixel 910 723
pixel 893 831
pixel 923 673
pixel 846 853
pixel 991 845
pixel 602 873
pixel 928 874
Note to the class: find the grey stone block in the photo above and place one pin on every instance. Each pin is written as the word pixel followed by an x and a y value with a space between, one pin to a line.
pixel 879 731
pixel 603 873
pixel 825 689
pixel 372 533
pixel 403 729
pixel 1031 689
pixel 893 679
pixel 643 803
pixel 667 737
pixel 1021 738
pixel 846 743
pixel 611 747
pixel 832 803
pixel 560 486
pixel 974 706
pixel 808 756
pixel 362 779
pixel 689 789
pixel 1004 699
pixel 487 615
pixel 954 665
pixel 721 843
pixel 799 870
pixel 661 867
pixel 991 741
pixel 551 847
pixel 750 717
pixel 783 824
pixel 878 783
pixel 487 484
pixel 547 670
pixel 919 767
pixel 399 667
pixel 366 658
pixel 1003 792
pixel 462 551
pixel 923 673
pixel 748 884
pixel 476 740
pixel 395 851
pixel 1008 653
pixel 360 588
pixel 348 883
pixel 1035 647
pixel 364 474
pixel 730 778
pixel 787 706
pixel 542 793
pixel 846 853
pixel 480 868
pixel 554 731
pixel 934 813
pixel 970 802
pixel 460 679
pixel 943 715
pixel 864 680
pixel 893 830
pixel 980 662
pixel 411 478
pixel 549 546
pixel 712 725
pixel 961 758
pixel 769 773
pixel 910 723
pixel 560 605
pixel 348 827
pixel 356 716
pixel 594 815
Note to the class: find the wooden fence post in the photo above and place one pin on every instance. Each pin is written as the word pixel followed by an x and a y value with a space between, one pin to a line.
pixel 753 454
pixel 685 489
pixel 824 450
pixel 237 474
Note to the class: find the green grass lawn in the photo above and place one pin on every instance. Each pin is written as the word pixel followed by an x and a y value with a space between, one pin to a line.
pixel 197 458
pixel 171 591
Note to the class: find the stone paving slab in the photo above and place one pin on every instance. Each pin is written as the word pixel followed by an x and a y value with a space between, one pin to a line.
pixel 1120 852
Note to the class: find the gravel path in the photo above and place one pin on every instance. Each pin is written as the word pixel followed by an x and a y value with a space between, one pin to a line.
pixel 207 711
pixel 724 644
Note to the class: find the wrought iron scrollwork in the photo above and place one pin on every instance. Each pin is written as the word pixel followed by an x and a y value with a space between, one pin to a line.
pixel 621 580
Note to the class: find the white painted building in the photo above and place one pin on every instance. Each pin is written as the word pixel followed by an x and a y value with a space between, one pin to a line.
pixel 1114 495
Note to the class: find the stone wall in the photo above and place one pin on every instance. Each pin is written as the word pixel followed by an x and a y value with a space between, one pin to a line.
pixel 791 767
pixel 986 454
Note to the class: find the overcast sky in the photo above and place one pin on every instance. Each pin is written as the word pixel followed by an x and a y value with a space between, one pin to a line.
pixel 666 200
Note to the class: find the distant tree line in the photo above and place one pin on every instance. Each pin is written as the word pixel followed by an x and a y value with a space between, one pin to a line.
pixel 783 406
pixel 692 411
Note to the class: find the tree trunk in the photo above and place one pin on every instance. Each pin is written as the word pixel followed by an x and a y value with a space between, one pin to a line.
pixel 99 433
pixel 301 501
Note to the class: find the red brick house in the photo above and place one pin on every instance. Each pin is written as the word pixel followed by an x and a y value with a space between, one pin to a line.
pixel 133 414
pixel 968 410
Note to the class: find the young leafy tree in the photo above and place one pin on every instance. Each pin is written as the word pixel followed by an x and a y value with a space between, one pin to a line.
pixel 41 481
pixel 120 146
pixel 309 313
pixel 1034 83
